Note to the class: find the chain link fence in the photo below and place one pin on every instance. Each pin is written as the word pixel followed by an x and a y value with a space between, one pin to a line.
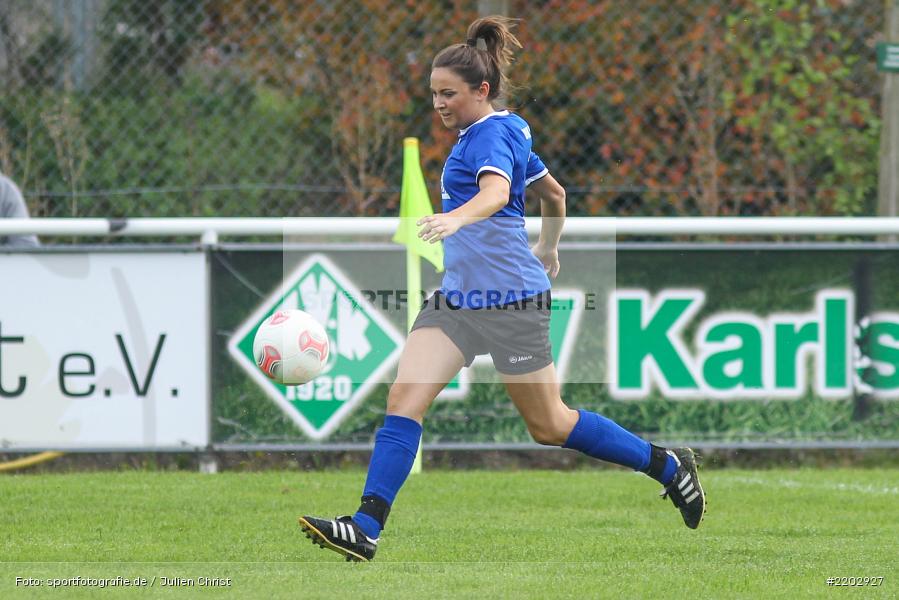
pixel 294 108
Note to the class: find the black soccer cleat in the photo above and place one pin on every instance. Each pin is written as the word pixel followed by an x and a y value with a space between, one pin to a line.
pixel 684 490
pixel 341 535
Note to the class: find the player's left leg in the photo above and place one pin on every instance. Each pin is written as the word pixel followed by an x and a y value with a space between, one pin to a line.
pixel 551 422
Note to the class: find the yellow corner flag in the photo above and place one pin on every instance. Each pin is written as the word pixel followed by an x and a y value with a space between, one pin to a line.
pixel 415 204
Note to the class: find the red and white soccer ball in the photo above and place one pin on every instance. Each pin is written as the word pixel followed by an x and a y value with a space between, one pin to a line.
pixel 291 347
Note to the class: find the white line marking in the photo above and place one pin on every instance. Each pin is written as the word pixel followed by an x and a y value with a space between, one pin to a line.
pixel 839 487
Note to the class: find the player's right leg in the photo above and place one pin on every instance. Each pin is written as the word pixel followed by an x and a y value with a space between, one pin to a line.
pixel 428 362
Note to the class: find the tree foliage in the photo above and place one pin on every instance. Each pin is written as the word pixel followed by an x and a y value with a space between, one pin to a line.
pixel 284 107
pixel 796 92
pixel 764 109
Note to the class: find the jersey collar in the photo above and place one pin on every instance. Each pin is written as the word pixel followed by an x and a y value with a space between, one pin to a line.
pixel 497 113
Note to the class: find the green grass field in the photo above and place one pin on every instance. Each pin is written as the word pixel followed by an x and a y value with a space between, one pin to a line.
pixel 456 534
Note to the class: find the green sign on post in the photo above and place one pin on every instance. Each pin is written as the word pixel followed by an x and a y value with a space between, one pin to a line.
pixel 364 346
pixel 888 57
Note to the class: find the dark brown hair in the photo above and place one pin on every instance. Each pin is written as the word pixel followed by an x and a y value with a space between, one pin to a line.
pixel 476 65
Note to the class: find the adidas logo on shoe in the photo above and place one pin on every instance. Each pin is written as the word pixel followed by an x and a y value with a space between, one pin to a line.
pixel 685 491
pixel 341 535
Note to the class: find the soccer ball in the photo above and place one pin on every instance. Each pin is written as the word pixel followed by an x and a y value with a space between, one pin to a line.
pixel 291 347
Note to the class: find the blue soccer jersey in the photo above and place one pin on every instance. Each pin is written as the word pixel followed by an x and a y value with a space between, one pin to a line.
pixel 490 263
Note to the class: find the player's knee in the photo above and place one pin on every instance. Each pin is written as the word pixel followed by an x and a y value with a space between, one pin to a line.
pixel 546 434
pixel 397 396
pixel 407 400
pixel 554 431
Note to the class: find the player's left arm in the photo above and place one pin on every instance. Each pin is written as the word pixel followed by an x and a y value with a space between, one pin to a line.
pixel 552 209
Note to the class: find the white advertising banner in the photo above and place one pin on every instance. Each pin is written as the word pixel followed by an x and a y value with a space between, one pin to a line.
pixel 104 350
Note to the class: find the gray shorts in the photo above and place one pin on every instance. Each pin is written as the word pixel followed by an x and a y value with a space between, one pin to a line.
pixel 516 335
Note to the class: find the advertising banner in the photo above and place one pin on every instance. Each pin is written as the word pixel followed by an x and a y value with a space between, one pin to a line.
pixel 104 350
pixel 735 344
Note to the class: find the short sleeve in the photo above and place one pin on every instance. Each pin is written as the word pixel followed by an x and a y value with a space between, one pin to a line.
pixel 491 152
pixel 536 169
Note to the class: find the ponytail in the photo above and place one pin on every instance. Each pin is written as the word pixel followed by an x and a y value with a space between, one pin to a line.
pixel 476 65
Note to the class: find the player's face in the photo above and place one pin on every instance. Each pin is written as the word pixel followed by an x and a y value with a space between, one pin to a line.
pixel 457 104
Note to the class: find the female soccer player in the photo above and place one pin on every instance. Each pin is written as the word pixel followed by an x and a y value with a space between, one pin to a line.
pixel 495 298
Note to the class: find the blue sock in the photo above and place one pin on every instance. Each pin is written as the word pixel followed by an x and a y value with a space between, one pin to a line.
pixel 396 445
pixel 368 524
pixel 602 438
pixel 668 472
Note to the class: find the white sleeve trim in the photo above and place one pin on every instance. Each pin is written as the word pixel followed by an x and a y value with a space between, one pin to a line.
pixel 496 170
pixel 539 175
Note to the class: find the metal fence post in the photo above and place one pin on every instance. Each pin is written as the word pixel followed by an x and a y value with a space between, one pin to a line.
pixel 493 7
pixel 889 135
pixel 208 463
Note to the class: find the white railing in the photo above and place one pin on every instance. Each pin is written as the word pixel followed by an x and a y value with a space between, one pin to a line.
pixel 211 228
